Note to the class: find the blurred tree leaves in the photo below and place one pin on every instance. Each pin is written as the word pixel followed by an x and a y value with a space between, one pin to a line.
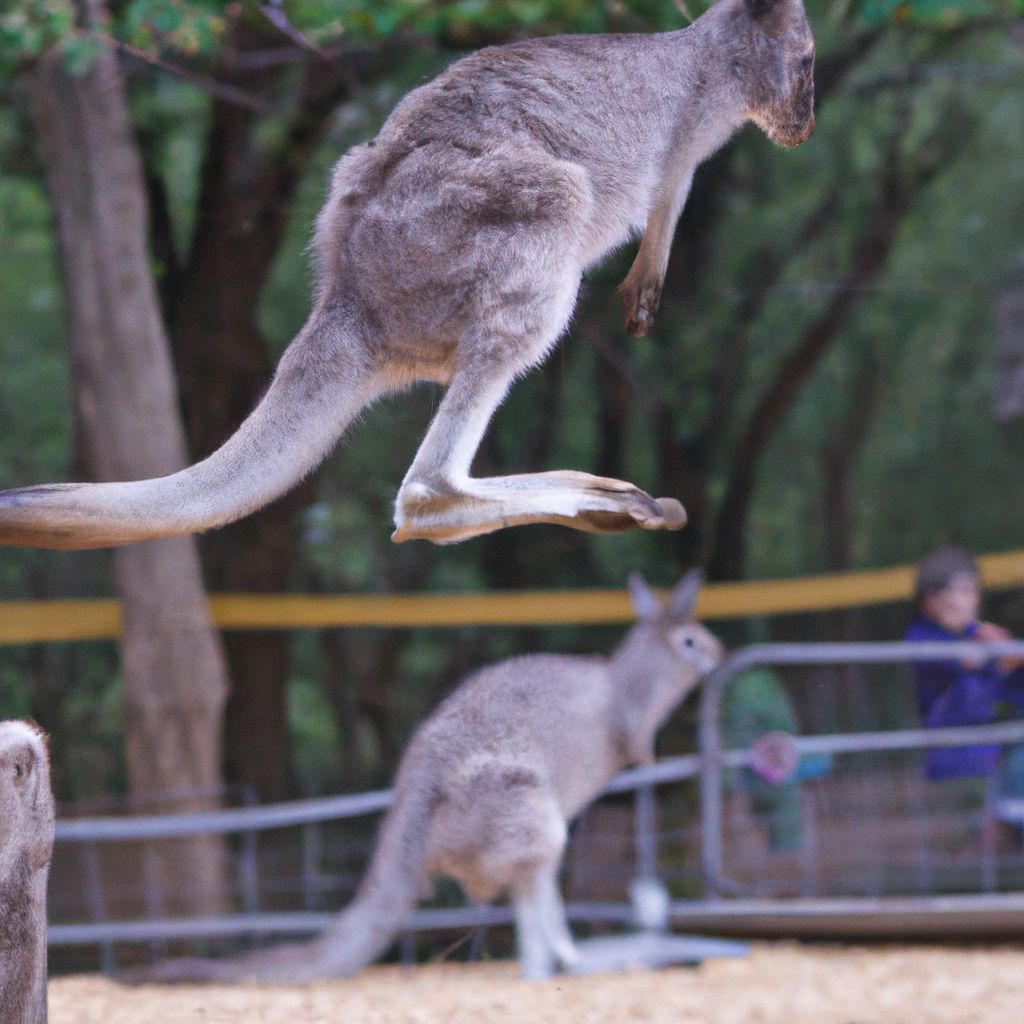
pixel 196 28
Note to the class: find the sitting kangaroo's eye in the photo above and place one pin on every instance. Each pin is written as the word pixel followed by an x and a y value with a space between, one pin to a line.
pixel 688 642
pixel 19 770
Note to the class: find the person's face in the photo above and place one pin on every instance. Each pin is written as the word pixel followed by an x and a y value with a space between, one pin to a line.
pixel 956 607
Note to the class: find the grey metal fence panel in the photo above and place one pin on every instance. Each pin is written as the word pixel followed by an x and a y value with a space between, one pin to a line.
pixel 309 815
pixel 714 758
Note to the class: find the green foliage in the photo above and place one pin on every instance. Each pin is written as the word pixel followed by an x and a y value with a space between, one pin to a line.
pixel 189 26
pixel 29 29
pixel 309 717
pixel 940 13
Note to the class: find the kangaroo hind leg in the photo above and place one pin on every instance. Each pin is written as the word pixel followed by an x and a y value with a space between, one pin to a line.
pixel 441 502
pixel 542 929
pixel 555 922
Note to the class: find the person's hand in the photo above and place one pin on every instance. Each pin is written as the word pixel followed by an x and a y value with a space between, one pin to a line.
pixel 989 632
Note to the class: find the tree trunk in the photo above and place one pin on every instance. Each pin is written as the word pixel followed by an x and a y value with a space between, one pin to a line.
pixel 224 362
pixel 173 666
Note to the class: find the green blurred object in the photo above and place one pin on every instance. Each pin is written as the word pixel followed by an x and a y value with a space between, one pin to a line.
pixel 1011 773
pixel 755 704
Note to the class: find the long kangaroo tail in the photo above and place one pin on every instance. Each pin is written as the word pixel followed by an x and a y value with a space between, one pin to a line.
pixel 320 385
pixel 390 890
pixel 363 930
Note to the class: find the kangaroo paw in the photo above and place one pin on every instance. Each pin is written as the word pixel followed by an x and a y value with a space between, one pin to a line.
pixel 641 302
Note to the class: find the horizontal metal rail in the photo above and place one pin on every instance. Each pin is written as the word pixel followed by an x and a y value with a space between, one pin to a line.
pixel 978 914
pixel 304 923
pixel 896 739
pixel 236 819
pixel 307 812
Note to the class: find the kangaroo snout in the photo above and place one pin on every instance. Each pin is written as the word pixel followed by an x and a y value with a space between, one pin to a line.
pixel 807 132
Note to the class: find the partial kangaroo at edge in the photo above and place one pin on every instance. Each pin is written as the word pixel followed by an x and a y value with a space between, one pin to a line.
pixel 451 249
pixel 26 846
pixel 488 785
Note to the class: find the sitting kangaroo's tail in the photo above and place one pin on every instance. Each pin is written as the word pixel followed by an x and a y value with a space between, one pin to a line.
pixel 320 386
pixel 390 890
pixel 362 932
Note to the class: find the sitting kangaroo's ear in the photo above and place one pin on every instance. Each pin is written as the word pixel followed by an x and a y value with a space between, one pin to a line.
pixel 41 812
pixel 646 606
pixel 684 597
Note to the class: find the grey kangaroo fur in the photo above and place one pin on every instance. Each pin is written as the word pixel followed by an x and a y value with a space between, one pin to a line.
pixel 488 784
pixel 26 845
pixel 451 249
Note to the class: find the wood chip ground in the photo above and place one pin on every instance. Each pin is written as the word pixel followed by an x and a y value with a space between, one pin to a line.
pixel 779 983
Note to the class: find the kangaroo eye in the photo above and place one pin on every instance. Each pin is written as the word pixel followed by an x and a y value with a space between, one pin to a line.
pixel 688 642
pixel 19 770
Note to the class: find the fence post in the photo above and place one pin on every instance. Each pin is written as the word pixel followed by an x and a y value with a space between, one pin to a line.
pixel 95 901
pixel 710 741
pixel 152 897
pixel 311 851
pixel 645 837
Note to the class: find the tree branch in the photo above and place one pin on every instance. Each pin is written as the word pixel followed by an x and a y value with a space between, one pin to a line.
pixel 901 182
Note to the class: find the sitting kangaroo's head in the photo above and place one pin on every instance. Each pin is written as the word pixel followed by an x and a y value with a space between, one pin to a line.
pixel 772 56
pixel 673 627
pixel 26 802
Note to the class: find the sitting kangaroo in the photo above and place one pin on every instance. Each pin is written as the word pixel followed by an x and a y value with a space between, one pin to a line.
pixel 488 783
pixel 26 844
pixel 451 250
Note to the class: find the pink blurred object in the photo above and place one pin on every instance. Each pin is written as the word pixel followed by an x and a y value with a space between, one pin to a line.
pixel 774 757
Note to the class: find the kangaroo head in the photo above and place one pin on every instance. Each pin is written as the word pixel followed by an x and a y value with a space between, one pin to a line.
pixel 673 627
pixel 772 57
pixel 26 802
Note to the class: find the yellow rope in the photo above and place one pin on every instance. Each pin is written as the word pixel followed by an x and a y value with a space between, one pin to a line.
pixel 45 621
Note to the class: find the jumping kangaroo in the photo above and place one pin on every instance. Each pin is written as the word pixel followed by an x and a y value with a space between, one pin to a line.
pixel 26 844
pixel 488 784
pixel 451 249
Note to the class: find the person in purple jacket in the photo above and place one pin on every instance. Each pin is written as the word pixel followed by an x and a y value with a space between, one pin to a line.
pixel 960 692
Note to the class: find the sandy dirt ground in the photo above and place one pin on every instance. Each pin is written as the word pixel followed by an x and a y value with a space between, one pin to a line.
pixel 780 983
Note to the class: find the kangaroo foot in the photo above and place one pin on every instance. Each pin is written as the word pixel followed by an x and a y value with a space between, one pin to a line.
pixel 445 514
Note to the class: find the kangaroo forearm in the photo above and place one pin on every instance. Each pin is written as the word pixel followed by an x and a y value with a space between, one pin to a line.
pixel 656 244
pixel 641 290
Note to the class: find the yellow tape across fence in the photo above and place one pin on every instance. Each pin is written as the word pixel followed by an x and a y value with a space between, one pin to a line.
pixel 48 621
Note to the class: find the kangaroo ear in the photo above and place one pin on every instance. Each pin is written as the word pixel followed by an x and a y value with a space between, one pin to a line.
pixel 684 597
pixel 645 605
pixel 41 810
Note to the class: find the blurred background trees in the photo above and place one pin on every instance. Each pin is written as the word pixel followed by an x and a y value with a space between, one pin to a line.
pixel 821 388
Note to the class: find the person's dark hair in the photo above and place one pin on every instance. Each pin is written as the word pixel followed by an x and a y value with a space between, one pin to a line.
pixel 935 571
